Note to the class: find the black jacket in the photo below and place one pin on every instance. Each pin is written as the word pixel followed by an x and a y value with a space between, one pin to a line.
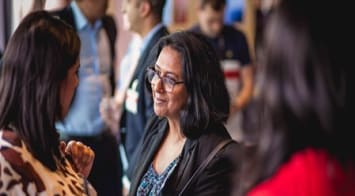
pixel 217 179
pixel 134 124
pixel 108 24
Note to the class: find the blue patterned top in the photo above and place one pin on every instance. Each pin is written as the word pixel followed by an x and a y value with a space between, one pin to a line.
pixel 152 183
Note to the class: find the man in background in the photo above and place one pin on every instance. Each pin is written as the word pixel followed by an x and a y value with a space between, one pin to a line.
pixel 144 18
pixel 233 52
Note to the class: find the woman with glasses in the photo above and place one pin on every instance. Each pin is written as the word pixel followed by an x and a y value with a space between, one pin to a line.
pixel 191 104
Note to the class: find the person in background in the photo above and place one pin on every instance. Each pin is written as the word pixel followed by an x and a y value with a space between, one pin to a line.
pixel 97 32
pixel 305 144
pixel 232 50
pixel 24 7
pixel 144 17
pixel 263 9
pixel 111 107
pixel 37 83
pixel 190 104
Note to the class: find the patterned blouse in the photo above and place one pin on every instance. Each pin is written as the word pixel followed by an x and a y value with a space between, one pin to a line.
pixel 152 183
pixel 22 174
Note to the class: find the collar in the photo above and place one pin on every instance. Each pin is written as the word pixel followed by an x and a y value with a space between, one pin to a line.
pixel 80 20
pixel 149 36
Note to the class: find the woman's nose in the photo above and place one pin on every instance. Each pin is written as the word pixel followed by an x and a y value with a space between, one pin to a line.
pixel 159 85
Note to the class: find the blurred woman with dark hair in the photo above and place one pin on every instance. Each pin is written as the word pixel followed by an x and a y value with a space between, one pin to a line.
pixel 37 83
pixel 306 101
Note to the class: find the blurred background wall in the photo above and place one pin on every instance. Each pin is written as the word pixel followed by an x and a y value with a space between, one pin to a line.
pixel 179 15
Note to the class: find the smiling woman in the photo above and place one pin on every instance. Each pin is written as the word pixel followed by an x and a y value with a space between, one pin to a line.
pixel 191 103
pixel 168 101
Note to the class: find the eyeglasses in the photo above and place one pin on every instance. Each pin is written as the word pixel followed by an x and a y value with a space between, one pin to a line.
pixel 168 83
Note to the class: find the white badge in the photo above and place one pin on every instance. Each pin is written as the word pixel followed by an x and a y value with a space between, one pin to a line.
pixel 131 103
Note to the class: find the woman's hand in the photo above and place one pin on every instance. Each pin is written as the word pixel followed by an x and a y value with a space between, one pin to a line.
pixel 82 156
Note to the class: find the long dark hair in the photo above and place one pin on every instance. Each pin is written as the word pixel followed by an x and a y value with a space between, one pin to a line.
pixel 36 61
pixel 208 101
pixel 306 86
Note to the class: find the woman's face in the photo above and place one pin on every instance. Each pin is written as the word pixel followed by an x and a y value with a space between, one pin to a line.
pixel 169 103
pixel 68 87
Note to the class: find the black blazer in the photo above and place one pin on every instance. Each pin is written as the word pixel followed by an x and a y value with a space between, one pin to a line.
pixel 108 24
pixel 134 124
pixel 217 179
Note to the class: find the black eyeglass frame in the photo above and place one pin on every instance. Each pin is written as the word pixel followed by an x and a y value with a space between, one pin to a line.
pixel 151 73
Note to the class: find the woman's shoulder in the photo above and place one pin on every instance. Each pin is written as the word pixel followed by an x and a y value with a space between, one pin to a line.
pixel 309 171
pixel 15 161
pixel 213 137
pixel 9 138
pixel 21 169
pixel 218 173
pixel 12 149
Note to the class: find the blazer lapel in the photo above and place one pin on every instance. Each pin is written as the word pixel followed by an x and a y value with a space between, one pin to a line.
pixel 148 155
pixel 185 166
